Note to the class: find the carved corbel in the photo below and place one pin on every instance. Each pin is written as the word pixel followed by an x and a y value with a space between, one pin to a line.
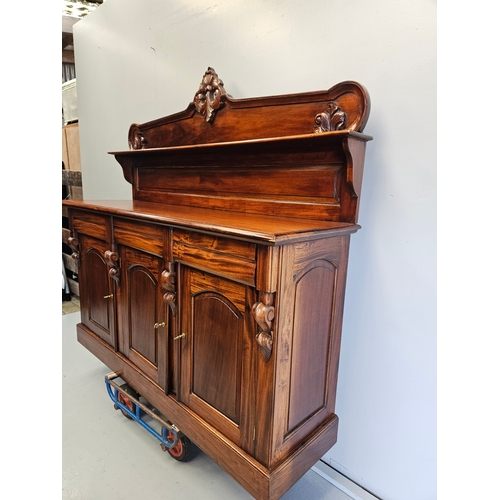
pixel 113 261
pixel 355 157
pixel 74 244
pixel 207 99
pixel 168 281
pixel 263 313
pixel 332 119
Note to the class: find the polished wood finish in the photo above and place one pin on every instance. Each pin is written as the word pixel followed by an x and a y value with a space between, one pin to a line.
pixel 216 353
pixel 145 323
pixel 97 301
pixel 311 176
pixel 217 291
pixel 255 118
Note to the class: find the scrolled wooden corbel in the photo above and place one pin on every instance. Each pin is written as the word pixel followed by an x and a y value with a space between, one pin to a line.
pixel 74 244
pixel 168 281
pixel 113 261
pixel 263 313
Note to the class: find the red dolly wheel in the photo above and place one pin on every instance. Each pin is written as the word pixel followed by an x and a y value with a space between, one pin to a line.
pixel 125 401
pixel 182 449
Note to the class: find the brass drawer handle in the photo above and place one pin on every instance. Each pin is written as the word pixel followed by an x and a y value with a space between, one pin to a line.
pixel 108 296
pixel 181 336
pixel 159 325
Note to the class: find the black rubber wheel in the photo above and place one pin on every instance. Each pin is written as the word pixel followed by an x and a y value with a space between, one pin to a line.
pixel 125 401
pixel 182 451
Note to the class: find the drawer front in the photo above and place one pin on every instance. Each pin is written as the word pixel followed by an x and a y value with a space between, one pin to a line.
pixel 140 235
pixel 91 224
pixel 224 257
pixel 240 249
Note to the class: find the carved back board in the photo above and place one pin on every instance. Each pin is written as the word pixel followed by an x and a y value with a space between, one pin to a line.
pixel 296 155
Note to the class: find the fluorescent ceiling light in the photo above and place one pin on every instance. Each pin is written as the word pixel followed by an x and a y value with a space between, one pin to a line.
pixel 78 8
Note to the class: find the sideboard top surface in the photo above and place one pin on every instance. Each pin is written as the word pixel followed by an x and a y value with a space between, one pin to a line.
pixel 263 229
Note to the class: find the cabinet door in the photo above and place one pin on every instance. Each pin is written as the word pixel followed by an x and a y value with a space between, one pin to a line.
pixel 216 353
pixel 97 290
pixel 144 314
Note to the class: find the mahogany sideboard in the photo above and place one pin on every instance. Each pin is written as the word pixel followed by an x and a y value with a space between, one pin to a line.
pixel 217 292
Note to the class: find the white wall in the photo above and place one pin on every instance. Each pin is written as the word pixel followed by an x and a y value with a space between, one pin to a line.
pixel 137 61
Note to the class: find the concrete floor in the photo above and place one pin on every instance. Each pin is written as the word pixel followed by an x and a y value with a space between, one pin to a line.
pixel 107 457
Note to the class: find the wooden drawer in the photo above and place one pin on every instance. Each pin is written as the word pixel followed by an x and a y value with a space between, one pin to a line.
pixel 92 224
pixel 224 257
pixel 150 238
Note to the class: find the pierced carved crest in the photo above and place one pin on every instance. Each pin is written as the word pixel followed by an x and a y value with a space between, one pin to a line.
pixel 332 119
pixel 207 99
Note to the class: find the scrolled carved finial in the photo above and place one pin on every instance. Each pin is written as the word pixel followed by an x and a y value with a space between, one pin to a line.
pixel 332 119
pixel 207 99
pixel 135 138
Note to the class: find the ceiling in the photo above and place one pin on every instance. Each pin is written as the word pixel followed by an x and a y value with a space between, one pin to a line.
pixel 72 12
